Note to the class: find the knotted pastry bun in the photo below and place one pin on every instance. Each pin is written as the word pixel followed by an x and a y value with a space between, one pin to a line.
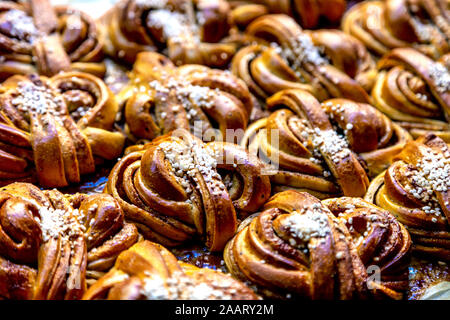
pixel 326 63
pixel 189 31
pixel 385 25
pixel 148 271
pixel 414 90
pixel 326 149
pixel 416 189
pixel 37 37
pixel 54 130
pixel 177 188
pixel 51 243
pixel 306 12
pixel 161 98
pixel 344 248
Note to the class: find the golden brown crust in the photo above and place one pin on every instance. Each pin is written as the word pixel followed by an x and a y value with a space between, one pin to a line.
pixel 326 63
pixel 161 97
pixel 172 190
pixel 190 31
pixel 54 129
pixel 51 242
pixel 313 147
pixel 415 91
pixel 306 12
pixel 415 189
pixel 37 37
pixel 149 271
pixel 385 25
pixel 300 247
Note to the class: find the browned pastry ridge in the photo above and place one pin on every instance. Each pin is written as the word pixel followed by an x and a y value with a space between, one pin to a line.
pixel 414 90
pixel 188 30
pixel 51 243
pixel 416 190
pixel 177 188
pixel 148 271
pixel 37 37
pixel 389 24
pixel 326 63
pixel 342 248
pixel 326 149
pixel 54 130
pixel 161 97
pixel 306 12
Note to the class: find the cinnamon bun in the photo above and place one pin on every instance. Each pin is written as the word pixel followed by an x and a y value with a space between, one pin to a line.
pixel 51 244
pixel 178 188
pixel 38 37
pixel 343 248
pixel 326 63
pixel 188 31
pixel 54 130
pixel 414 90
pixel 148 271
pixel 161 98
pixel 326 149
pixel 415 189
pixel 385 25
